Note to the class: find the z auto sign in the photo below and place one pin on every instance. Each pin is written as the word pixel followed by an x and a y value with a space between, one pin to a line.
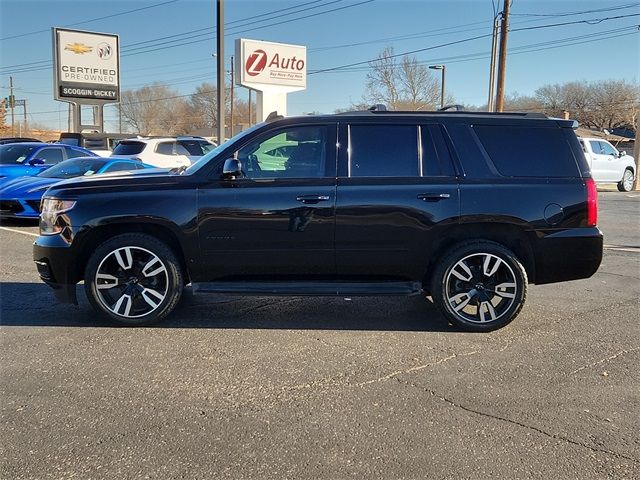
pixel 86 66
pixel 267 63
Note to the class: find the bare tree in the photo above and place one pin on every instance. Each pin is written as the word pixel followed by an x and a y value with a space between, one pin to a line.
pixel 603 104
pixel 154 110
pixel 401 83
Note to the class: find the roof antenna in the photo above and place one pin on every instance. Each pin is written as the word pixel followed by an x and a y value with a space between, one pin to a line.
pixel 273 116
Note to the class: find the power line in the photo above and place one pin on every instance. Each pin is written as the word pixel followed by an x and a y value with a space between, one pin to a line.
pixel 464 40
pixel 567 14
pixel 92 19
pixel 152 48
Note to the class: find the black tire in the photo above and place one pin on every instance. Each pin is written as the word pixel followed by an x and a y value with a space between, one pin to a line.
pixel 138 272
pixel 461 275
pixel 626 183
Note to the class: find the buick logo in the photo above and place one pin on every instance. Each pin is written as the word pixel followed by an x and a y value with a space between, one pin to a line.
pixel 104 51
pixel 255 63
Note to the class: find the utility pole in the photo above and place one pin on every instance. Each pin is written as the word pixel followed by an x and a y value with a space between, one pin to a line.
pixel 221 73
pixel 12 101
pixel 232 79
pixel 119 117
pixel 492 68
pixel 250 120
pixel 502 66
pixel 636 155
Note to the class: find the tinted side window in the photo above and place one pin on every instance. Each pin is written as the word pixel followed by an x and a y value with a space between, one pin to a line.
pixel 50 155
pixel 165 148
pixel 73 153
pixel 522 151
pixel 189 147
pixel 383 151
pixel 436 159
pixel 297 152
pixel 595 146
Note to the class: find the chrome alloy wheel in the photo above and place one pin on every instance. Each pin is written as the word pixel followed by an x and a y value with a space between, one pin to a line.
pixel 480 288
pixel 627 180
pixel 131 282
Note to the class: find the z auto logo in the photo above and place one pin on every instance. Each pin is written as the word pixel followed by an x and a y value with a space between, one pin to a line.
pixel 255 63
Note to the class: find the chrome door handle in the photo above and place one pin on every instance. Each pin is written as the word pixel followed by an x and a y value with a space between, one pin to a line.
pixel 433 197
pixel 312 198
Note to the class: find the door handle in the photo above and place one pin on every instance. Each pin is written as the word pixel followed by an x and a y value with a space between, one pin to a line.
pixel 433 197
pixel 312 198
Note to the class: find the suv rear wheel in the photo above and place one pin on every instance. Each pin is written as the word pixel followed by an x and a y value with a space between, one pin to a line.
pixel 134 279
pixel 479 286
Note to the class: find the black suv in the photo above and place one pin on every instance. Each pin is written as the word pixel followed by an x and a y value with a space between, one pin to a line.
pixel 468 208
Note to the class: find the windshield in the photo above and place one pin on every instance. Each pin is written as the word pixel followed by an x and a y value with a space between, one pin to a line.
pixel 217 150
pixel 73 168
pixel 15 153
pixel 127 147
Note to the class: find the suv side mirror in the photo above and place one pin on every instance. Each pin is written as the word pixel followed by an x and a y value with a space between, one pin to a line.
pixel 621 153
pixel 36 161
pixel 232 169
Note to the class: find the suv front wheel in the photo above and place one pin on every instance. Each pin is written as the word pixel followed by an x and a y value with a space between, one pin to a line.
pixel 479 286
pixel 134 279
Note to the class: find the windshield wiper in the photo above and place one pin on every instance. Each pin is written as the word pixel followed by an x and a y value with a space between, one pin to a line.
pixel 179 170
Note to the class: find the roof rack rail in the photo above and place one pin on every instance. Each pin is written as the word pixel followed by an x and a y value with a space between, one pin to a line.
pixel 380 109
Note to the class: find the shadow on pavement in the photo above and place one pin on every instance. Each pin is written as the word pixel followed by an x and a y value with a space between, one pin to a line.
pixel 33 304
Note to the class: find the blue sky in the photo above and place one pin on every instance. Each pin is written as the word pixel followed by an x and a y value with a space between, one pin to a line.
pixel 336 32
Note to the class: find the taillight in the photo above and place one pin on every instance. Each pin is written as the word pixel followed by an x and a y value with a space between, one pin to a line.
pixel 592 202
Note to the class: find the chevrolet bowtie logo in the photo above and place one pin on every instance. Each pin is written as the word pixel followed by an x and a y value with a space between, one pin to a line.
pixel 78 48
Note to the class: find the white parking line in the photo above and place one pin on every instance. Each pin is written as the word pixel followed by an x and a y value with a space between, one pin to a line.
pixel 19 231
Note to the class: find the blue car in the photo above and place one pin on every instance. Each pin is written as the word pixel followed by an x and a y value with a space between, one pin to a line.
pixel 20 197
pixel 30 158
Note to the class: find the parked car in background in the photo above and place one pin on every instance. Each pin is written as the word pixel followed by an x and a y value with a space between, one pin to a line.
pixel 17 140
pixel 20 197
pixel 99 143
pixel 608 165
pixel 30 158
pixel 164 152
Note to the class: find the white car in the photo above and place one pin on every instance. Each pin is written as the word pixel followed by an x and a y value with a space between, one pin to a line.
pixel 164 152
pixel 608 165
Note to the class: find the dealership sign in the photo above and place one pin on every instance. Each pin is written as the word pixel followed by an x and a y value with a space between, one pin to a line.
pixel 86 66
pixel 263 64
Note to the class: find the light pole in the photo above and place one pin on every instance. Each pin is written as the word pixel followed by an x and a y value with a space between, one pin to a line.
pixel 443 69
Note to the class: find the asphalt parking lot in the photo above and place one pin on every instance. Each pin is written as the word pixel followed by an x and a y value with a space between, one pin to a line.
pixel 324 388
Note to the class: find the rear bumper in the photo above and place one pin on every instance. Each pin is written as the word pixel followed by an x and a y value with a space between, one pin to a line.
pixel 53 259
pixel 568 255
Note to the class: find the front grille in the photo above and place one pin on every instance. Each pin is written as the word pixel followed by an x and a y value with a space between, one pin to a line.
pixel 35 204
pixel 10 206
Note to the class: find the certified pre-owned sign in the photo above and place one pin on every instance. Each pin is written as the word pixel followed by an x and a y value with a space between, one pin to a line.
pixel 268 63
pixel 86 66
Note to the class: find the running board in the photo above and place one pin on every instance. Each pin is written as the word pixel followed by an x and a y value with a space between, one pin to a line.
pixel 305 288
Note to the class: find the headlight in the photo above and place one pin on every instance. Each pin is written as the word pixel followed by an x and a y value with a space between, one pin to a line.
pixel 50 211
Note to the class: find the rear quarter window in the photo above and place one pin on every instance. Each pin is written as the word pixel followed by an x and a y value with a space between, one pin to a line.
pixel 522 151
pixel 129 148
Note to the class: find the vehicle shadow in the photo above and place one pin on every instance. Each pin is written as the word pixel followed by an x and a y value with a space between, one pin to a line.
pixel 33 304
pixel 19 222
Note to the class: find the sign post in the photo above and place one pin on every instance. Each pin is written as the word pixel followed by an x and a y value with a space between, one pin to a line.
pixel 273 70
pixel 86 69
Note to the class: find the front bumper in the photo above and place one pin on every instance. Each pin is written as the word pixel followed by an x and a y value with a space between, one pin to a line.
pixel 568 254
pixel 54 260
